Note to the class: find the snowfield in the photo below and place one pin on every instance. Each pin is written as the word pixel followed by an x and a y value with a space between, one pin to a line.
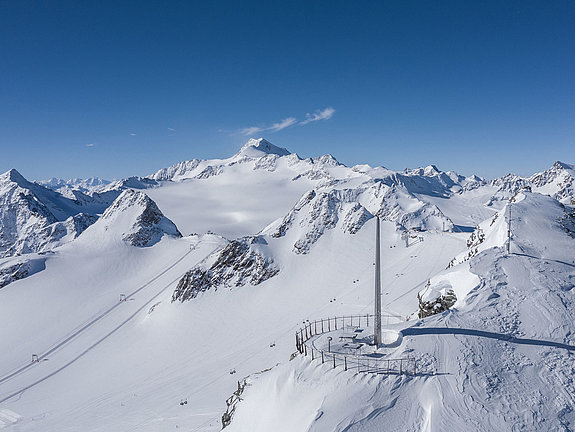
pixel 199 275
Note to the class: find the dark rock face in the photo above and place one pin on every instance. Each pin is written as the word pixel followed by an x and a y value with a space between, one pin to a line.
pixel 13 272
pixel 235 265
pixel 210 171
pixel 150 224
pixel 440 304
pixel 19 270
pixel 567 222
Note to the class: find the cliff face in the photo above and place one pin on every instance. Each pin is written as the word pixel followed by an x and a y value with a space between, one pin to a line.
pixel 240 262
pixel 137 219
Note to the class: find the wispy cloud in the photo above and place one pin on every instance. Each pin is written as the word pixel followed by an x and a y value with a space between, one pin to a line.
pixel 90 145
pixel 287 122
pixel 171 129
pixel 132 134
pixel 251 130
pixel 323 114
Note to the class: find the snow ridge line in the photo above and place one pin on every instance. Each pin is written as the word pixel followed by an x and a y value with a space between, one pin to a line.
pixel 110 333
pixel 93 321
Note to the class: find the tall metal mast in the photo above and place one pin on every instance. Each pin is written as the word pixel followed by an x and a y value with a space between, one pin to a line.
pixel 509 229
pixel 377 325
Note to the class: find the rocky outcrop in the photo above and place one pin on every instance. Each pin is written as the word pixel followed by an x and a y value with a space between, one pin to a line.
pixel 175 171
pixel 327 207
pixel 440 304
pixel 13 271
pixel 138 216
pixel 232 403
pixel 210 171
pixel 436 299
pixel 242 261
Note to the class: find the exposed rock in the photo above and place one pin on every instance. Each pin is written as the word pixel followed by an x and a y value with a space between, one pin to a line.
pixel 434 300
pixel 355 218
pixel 34 218
pixel 267 162
pixel 146 223
pixel 210 171
pixel 238 263
pixel 326 207
pixel 256 148
pixel 178 170
pixel 135 182
pixel 232 403
pixel 13 271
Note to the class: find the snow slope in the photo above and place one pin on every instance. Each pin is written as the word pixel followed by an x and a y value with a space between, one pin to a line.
pixel 500 359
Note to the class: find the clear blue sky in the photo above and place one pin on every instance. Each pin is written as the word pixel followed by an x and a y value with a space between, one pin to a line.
pixel 484 87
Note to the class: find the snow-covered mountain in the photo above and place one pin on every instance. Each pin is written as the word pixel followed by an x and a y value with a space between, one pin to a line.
pixel 133 218
pixel 87 184
pixel 273 240
pixel 34 218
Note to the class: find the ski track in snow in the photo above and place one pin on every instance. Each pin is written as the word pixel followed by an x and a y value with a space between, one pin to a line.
pixel 92 322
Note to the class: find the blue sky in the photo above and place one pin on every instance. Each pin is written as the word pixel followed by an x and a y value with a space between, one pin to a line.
pixel 121 88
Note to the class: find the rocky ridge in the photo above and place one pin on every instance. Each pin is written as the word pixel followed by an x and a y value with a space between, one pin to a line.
pixel 242 261
pixel 141 221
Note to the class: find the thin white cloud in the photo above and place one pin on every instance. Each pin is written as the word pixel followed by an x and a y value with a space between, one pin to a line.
pixel 323 114
pixel 132 134
pixel 90 145
pixel 171 129
pixel 251 130
pixel 287 122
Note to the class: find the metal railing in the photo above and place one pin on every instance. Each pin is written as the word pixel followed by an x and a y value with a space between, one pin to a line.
pixel 361 363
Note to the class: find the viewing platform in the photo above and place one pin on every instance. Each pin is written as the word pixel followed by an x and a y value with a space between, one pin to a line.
pixel 348 342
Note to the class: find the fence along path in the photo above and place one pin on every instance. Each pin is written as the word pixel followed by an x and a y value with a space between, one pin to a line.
pixel 362 363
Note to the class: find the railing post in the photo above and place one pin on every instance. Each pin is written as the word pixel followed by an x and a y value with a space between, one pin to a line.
pixel 334 361
pixel 305 349
pixel 388 367
pixel 400 366
pixel 345 363
pixel 414 367
pixel 312 357
pixel 322 325
pixel 335 319
pixel 367 316
pixel 315 326
pixel 322 359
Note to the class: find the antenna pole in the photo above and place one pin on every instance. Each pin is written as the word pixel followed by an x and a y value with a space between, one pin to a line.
pixel 509 229
pixel 377 324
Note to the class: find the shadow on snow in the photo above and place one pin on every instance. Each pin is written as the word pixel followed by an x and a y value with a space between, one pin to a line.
pixel 416 331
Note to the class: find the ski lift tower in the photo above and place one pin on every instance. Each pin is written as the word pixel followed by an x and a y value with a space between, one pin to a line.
pixel 377 313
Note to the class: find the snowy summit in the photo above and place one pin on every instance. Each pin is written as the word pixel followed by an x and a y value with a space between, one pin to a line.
pixel 256 148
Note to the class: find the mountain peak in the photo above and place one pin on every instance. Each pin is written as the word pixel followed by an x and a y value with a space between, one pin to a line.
pixel 14 176
pixel 563 165
pixel 138 218
pixel 260 147
pixel 430 170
